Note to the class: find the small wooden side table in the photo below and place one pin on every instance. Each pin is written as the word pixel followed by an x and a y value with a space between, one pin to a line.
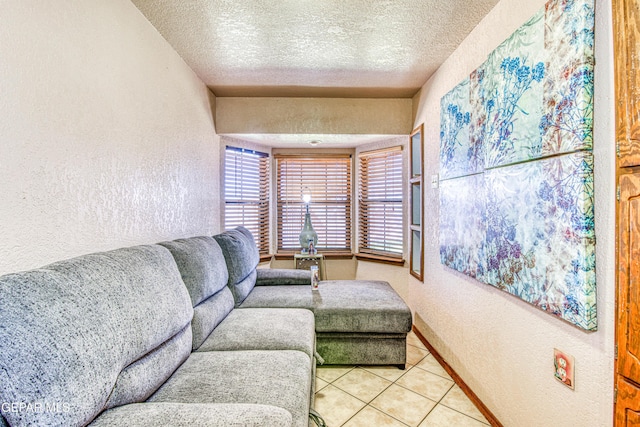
pixel 305 261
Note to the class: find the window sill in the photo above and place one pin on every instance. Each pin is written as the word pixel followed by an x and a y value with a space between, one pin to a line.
pixel 327 255
pixel 265 257
pixel 381 259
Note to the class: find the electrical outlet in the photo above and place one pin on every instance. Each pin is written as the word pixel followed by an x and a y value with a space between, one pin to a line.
pixel 564 368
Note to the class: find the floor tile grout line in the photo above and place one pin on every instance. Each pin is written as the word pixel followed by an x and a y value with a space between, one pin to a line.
pixel 436 405
pixel 380 376
pixel 355 397
pixel 463 413
pixel 438 375
pixel 331 382
pixel 387 387
pixel 401 386
pixel 365 403
pixel 419 348
pixel 419 394
pixel 448 391
pixel 433 373
pixel 358 399
pixel 440 401
pixel 454 410
pixel 394 382
pixel 375 409
pixel 436 360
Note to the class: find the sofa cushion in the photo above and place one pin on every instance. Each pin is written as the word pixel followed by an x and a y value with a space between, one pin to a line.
pixel 70 329
pixel 277 378
pixel 201 265
pixel 282 276
pixel 286 296
pixel 204 272
pixel 242 257
pixel 140 379
pixel 348 305
pixel 194 414
pixel 208 314
pixel 245 231
pixel 264 329
pixel 243 288
pixel 341 305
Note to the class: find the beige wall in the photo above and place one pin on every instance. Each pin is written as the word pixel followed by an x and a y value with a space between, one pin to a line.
pixel 395 275
pixel 106 136
pixel 313 116
pixel 501 346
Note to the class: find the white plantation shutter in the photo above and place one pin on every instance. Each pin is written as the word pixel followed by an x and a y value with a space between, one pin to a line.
pixel 246 193
pixel 329 181
pixel 380 202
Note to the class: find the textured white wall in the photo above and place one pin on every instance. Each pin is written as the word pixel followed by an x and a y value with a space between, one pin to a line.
pixel 383 116
pixel 501 346
pixel 106 136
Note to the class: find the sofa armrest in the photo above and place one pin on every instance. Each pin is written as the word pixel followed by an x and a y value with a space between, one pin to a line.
pixel 282 276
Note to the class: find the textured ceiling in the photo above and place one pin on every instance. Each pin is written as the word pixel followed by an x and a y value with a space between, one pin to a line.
pixel 315 48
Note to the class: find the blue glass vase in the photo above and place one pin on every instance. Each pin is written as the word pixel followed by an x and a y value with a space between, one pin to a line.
pixel 308 234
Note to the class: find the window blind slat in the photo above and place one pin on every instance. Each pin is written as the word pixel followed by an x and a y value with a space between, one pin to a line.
pixel 246 193
pixel 329 181
pixel 380 203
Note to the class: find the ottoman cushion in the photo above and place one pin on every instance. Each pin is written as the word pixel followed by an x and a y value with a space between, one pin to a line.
pixel 342 305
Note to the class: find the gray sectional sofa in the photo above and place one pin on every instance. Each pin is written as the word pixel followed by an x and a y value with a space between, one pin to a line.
pixel 182 333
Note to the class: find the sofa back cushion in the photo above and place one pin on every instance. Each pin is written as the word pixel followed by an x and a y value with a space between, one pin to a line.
pixel 90 333
pixel 204 271
pixel 242 257
pixel 201 265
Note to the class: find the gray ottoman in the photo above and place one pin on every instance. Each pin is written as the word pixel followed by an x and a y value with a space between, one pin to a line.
pixel 358 322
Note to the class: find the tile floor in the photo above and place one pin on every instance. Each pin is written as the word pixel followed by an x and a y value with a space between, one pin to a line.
pixel 422 395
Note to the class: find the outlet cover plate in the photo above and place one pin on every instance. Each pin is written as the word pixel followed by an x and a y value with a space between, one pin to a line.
pixel 564 368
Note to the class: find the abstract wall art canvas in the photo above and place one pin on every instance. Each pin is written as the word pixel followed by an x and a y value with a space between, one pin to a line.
pixel 540 242
pixel 516 166
pixel 457 155
pixel 463 225
pixel 512 87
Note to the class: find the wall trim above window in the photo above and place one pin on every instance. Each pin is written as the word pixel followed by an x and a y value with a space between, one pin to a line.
pixel 381 151
pixel 313 155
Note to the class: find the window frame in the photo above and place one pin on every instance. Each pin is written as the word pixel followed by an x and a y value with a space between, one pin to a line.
pixel 257 164
pixel 318 207
pixel 378 190
pixel 416 230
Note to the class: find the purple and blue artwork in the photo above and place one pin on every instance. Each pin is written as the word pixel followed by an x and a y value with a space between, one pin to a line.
pixel 516 166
